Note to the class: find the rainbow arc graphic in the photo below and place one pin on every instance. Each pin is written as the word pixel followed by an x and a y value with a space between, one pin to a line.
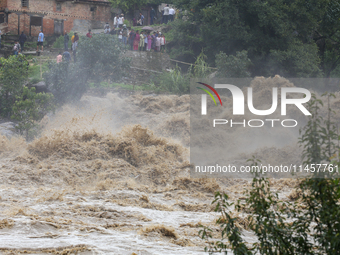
pixel 209 93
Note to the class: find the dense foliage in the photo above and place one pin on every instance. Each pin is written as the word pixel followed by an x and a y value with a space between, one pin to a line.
pixel 133 4
pixel 291 38
pixel 13 75
pixel 310 225
pixel 99 58
pixel 29 108
pixel 19 102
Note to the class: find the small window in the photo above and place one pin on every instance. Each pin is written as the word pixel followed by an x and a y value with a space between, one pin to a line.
pixel 24 3
pixel 93 9
pixel 36 21
pixel 58 7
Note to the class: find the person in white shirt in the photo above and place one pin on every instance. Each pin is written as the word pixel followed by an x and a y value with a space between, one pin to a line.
pixel 163 42
pixel 115 21
pixel 123 19
pixel 120 23
pixel 166 14
pixel 107 28
pixel 171 14
pixel 158 43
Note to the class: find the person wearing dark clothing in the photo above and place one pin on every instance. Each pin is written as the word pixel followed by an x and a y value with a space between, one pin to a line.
pixel 76 37
pixel 67 56
pixel 66 39
pixel 153 43
pixel 124 35
pixel 22 40
pixel 152 15
pixel 132 38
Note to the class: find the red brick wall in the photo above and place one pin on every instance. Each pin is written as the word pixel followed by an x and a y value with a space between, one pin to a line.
pixel 69 12
pixel 3 4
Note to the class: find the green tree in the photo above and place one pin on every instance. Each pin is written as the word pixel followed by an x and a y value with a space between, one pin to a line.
pixel 29 108
pixel 299 60
pixel 233 66
pixel 134 4
pixel 184 40
pixel 327 37
pixel 100 58
pixel 128 5
pixel 201 68
pixel 174 82
pixel 272 32
pixel 13 76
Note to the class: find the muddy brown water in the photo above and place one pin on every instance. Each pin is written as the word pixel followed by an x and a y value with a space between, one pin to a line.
pixel 110 175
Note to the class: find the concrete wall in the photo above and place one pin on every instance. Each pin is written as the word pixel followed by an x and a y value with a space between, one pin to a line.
pixel 75 15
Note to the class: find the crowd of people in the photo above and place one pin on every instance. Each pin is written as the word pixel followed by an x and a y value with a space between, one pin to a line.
pixel 74 45
pixel 134 40
pixel 137 40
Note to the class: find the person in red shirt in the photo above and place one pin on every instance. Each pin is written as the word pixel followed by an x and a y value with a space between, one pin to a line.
pixel 89 34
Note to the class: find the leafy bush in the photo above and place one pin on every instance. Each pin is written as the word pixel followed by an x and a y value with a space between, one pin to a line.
pixel 308 226
pixel 99 59
pixel 233 66
pixel 13 75
pixel 59 42
pixel 201 67
pixel 299 60
pixel 183 40
pixel 174 82
pixel 29 108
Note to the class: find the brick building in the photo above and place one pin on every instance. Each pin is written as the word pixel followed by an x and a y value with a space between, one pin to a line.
pixel 53 16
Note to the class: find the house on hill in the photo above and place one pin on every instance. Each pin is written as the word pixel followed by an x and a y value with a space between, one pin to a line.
pixel 53 16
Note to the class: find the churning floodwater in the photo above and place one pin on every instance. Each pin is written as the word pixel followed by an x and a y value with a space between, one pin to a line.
pixel 111 175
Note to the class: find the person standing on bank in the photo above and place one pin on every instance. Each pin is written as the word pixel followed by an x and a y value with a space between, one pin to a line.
pixel 75 41
pixel 124 34
pixel 115 21
pixel 40 41
pixel 166 14
pixel 149 42
pixel 152 15
pixel 66 39
pixel 0 38
pixel 171 14
pixel 132 36
pixel 141 41
pixel 145 41
pixel 136 41
pixel 22 40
